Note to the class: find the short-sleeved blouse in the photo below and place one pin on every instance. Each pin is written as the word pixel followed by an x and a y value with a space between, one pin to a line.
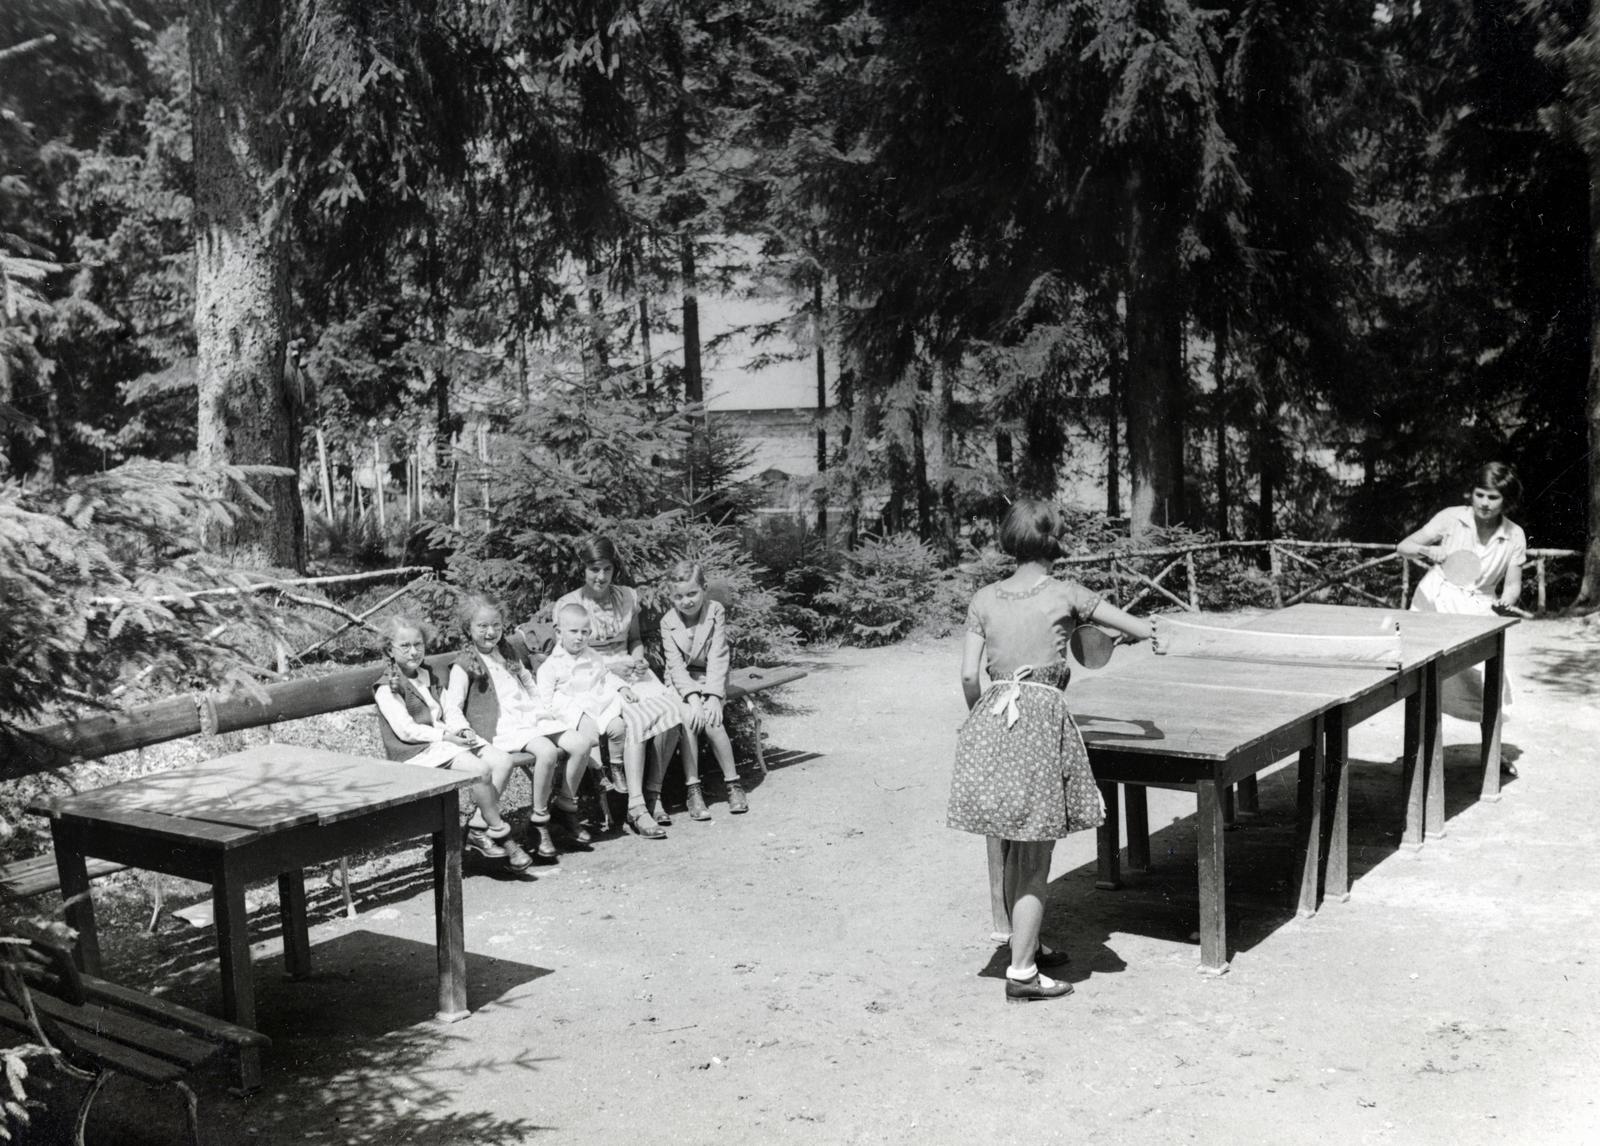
pixel 1028 626
pixel 1457 531
pixel 610 620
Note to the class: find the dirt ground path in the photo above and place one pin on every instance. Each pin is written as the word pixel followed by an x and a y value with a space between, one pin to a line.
pixel 820 970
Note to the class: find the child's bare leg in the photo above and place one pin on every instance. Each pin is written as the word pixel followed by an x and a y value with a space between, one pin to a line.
pixel 1027 881
pixel 577 745
pixel 997 890
pixel 690 746
pixel 546 757
pixel 722 749
pixel 485 768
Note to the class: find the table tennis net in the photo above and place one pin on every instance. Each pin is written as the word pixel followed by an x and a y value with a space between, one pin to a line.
pixel 1177 637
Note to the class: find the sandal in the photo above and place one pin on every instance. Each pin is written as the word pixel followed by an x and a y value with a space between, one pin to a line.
pixel 641 823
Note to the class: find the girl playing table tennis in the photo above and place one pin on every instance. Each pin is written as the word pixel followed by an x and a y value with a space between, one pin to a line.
pixel 1482 529
pixel 1022 773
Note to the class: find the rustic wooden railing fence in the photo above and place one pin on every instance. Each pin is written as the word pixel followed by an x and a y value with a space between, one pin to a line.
pixel 1288 561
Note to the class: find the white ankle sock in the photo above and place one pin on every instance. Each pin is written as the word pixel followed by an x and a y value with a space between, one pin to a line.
pixel 1021 974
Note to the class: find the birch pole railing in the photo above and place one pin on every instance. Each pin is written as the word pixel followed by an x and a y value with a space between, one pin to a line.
pixel 1283 555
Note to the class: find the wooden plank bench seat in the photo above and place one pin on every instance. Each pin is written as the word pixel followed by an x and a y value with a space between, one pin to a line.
pixel 37 874
pixel 94 1029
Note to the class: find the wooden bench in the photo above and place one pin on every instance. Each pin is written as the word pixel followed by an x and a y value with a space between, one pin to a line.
pixel 93 1029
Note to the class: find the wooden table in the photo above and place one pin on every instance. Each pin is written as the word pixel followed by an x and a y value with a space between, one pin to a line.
pixel 267 812
pixel 1207 725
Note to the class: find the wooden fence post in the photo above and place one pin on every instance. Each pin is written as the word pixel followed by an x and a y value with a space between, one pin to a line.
pixel 1194 591
pixel 1405 580
pixel 1538 568
pixel 377 485
pixel 1276 565
pixel 324 475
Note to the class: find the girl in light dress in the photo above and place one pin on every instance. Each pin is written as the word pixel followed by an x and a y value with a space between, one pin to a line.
pixel 1482 528
pixel 1022 775
pixel 656 714
pixel 413 727
pixel 694 642
pixel 491 691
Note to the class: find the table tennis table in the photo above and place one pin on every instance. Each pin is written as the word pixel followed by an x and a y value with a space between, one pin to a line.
pixel 1209 723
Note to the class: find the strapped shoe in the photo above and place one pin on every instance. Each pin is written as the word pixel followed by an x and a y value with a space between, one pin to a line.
pixel 1036 988
pixel 477 840
pixel 642 824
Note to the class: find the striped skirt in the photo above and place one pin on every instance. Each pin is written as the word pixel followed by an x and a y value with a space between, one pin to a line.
pixel 657 710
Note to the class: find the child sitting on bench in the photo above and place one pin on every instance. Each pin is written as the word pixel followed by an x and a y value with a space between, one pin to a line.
pixel 694 642
pixel 491 691
pixel 412 724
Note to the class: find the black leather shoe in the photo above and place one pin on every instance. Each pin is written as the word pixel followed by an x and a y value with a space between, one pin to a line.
pixel 1038 987
pixel 1050 960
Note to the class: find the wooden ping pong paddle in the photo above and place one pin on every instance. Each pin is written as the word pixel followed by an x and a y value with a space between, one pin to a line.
pixel 1091 646
pixel 1462 568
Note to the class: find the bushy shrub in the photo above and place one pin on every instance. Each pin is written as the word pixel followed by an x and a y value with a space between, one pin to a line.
pixel 103 587
pixel 799 567
pixel 884 588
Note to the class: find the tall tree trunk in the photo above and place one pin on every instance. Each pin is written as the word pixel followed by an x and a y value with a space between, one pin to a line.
pixel 1269 448
pixel 693 382
pixel 246 416
pixel 1589 588
pixel 1004 456
pixel 1155 377
pixel 1116 383
pixel 1219 370
pixel 919 452
pixel 817 328
pixel 645 350
pixel 944 410
pixel 850 452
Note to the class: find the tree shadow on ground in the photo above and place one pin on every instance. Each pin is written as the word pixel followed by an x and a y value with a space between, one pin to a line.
pixel 1162 902
pixel 355 1058
pixel 1566 672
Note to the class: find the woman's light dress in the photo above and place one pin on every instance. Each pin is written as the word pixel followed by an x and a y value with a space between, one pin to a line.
pixel 1462 695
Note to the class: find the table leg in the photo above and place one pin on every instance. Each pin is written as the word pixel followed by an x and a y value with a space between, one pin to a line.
pixel 1228 818
pixel 73 873
pixel 1249 796
pixel 233 948
pixel 1336 881
pixel 292 909
pixel 450 934
pixel 1308 818
pixel 1413 772
pixel 1494 687
pixel 1433 755
pixel 1213 897
pixel 1110 840
pixel 1136 796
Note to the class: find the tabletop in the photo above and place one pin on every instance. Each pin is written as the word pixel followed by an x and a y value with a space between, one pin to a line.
pixel 1211 708
pixel 1422 635
pixel 268 788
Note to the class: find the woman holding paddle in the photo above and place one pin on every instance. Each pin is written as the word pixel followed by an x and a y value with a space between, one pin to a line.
pixel 1022 773
pixel 1477 554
